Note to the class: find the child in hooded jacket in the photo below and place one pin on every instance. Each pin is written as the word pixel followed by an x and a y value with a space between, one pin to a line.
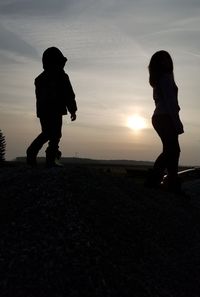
pixel 54 98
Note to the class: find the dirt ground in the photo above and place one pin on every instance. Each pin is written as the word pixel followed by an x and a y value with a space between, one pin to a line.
pixel 85 231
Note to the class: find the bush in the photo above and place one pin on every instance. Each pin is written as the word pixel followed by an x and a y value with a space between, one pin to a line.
pixel 2 147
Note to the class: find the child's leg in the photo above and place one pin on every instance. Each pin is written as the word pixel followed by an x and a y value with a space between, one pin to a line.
pixel 173 154
pixel 35 146
pixel 52 151
pixel 155 176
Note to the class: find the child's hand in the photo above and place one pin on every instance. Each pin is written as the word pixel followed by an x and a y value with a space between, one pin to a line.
pixel 73 116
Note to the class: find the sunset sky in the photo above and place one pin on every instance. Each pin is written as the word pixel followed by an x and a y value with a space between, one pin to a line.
pixel 108 44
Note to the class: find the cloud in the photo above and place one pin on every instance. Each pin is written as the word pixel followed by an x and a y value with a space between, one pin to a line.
pixel 49 6
pixel 31 7
pixel 137 8
pixel 13 43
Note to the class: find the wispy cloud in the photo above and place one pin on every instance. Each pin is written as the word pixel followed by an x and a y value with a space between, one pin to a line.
pixel 22 7
pixel 14 43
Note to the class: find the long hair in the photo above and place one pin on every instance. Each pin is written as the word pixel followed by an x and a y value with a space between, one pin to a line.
pixel 160 63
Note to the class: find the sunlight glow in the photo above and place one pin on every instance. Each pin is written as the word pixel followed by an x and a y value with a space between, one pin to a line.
pixel 136 122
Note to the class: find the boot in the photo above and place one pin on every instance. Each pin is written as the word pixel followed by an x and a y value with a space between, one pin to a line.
pixel 52 158
pixel 58 155
pixel 31 158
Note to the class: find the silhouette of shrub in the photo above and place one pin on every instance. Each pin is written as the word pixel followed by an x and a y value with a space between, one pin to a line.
pixel 2 147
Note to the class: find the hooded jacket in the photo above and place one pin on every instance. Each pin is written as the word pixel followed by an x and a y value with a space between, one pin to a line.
pixel 54 92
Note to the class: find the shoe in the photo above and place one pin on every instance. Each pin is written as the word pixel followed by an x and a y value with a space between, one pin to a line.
pixel 153 179
pixel 179 193
pixel 54 164
pixel 31 160
pixel 175 187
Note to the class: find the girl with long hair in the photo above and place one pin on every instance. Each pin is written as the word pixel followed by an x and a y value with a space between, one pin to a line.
pixel 165 120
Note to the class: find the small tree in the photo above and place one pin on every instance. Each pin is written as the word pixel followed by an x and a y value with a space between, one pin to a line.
pixel 2 147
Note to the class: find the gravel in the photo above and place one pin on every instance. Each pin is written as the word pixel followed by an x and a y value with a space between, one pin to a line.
pixel 85 231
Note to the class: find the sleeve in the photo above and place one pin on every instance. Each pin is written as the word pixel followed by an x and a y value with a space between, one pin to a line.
pixel 70 97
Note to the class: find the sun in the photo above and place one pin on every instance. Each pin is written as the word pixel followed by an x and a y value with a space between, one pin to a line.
pixel 136 122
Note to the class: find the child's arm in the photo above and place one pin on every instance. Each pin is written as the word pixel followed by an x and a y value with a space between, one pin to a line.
pixel 70 99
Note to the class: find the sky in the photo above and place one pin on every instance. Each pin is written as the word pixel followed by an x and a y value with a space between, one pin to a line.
pixel 108 44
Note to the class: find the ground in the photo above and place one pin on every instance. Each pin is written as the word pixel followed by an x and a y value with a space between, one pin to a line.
pixel 89 231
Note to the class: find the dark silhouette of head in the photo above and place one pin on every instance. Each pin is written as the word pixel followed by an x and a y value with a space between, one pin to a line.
pixel 160 63
pixel 53 59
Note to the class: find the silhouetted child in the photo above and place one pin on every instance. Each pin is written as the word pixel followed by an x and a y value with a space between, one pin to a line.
pixel 54 97
pixel 165 120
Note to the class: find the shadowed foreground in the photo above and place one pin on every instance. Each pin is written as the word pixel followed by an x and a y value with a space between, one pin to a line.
pixel 79 231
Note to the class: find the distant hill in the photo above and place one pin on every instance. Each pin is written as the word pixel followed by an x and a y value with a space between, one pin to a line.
pixel 88 161
pixel 73 160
